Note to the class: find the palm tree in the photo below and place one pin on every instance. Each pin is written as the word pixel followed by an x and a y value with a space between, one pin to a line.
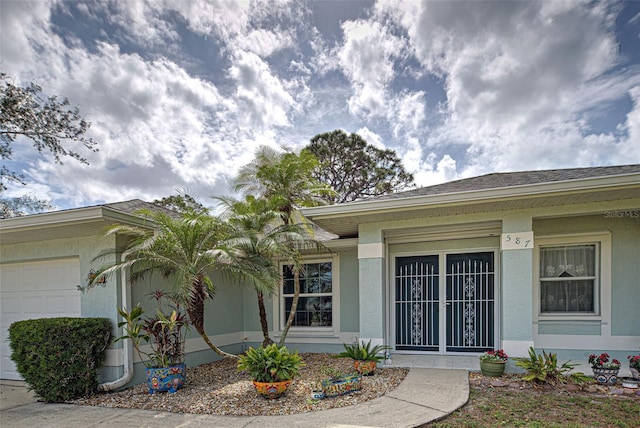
pixel 286 180
pixel 260 239
pixel 187 250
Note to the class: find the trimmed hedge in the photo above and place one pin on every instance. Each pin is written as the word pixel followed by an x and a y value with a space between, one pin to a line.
pixel 59 357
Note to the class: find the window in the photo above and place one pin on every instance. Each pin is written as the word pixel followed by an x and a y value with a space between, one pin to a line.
pixel 569 279
pixel 315 306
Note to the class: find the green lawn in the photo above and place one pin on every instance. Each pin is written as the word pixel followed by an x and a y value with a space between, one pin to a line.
pixel 540 407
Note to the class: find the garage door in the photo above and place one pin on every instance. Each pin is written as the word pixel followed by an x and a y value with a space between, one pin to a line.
pixel 44 289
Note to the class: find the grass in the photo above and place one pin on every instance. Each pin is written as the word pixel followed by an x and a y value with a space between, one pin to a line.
pixel 530 407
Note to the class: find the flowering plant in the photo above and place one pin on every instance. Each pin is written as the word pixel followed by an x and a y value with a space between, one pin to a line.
pixel 497 356
pixel 634 361
pixel 602 362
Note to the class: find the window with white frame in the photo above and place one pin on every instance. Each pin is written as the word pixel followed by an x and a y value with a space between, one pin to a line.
pixel 569 282
pixel 315 306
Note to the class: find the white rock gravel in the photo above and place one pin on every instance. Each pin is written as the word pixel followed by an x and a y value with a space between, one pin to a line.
pixel 219 389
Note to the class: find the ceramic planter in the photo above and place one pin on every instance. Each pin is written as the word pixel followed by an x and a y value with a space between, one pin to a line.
pixel 345 385
pixel 605 376
pixel 365 368
pixel 170 379
pixel 634 373
pixel 272 390
pixel 492 368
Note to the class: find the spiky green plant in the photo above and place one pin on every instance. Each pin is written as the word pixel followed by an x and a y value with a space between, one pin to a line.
pixel 543 368
pixel 363 351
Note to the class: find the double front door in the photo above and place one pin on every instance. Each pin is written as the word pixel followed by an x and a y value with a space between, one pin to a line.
pixel 445 303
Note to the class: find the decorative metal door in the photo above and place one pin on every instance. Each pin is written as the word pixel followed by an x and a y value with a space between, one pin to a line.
pixel 470 302
pixel 417 298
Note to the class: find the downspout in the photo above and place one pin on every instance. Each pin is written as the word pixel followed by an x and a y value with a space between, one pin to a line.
pixel 127 374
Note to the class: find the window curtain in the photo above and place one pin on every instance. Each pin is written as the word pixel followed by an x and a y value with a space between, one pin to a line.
pixel 568 278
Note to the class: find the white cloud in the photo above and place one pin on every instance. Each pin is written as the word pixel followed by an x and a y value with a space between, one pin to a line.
pixel 367 59
pixel 264 43
pixel 518 77
pixel 371 138
pixel 264 97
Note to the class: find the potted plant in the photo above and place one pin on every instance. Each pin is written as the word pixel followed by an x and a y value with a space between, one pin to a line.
pixel 634 365
pixel 492 363
pixel 165 334
pixel 365 358
pixel 605 371
pixel 339 383
pixel 272 369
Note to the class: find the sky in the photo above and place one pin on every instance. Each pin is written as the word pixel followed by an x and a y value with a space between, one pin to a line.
pixel 180 94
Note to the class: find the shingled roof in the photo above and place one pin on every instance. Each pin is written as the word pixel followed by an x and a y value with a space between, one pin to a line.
pixel 500 180
pixel 135 205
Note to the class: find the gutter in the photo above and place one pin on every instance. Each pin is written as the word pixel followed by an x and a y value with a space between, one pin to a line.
pixel 127 374
pixel 470 196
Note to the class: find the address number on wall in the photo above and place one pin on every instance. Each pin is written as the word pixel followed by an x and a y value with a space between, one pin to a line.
pixel 516 241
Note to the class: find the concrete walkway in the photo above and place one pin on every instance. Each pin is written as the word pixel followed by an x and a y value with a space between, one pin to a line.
pixel 425 395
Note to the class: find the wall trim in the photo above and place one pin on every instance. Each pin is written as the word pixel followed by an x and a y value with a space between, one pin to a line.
pixel 374 250
pixel 517 348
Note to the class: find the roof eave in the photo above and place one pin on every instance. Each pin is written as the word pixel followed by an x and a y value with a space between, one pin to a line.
pixel 79 215
pixel 473 196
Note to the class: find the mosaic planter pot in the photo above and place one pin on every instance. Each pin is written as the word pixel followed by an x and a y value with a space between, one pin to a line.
pixel 492 368
pixel 605 376
pixel 344 385
pixel 272 390
pixel 365 368
pixel 160 379
pixel 635 373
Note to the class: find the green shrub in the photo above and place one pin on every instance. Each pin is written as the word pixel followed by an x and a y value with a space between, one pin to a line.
pixel 59 357
pixel 270 364
pixel 544 369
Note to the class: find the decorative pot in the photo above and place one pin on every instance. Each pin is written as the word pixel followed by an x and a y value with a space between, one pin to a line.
pixel 170 379
pixel 272 390
pixel 365 368
pixel 492 368
pixel 605 376
pixel 635 373
pixel 345 385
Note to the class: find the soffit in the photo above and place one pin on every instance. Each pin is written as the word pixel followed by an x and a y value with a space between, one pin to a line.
pixel 62 225
pixel 347 223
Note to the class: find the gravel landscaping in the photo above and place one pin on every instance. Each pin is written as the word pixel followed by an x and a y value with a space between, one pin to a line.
pixel 219 389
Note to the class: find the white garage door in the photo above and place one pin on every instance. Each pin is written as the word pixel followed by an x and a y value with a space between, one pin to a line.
pixel 44 289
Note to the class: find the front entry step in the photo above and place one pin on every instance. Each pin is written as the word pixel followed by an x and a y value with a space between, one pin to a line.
pixel 436 361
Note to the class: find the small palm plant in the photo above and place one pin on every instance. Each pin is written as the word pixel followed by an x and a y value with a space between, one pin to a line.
pixel 363 351
pixel 187 250
pixel 164 332
pixel 544 369
pixel 365 357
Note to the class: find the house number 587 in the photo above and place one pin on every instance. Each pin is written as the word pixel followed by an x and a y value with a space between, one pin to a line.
pixel 516 241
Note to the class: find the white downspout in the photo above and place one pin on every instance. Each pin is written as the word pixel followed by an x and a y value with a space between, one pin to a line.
pixel 127 375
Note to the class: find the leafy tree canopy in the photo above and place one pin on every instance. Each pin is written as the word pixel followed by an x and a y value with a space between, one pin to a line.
pixel 356 169
pixel 22 205
pixel 182 203
pixel 46 121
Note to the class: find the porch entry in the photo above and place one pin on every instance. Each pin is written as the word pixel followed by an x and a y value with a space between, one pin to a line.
pixel 445 303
